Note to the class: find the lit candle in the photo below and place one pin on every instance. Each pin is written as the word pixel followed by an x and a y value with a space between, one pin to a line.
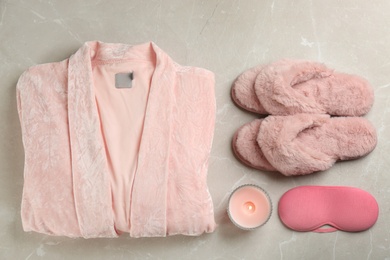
pixel 249 207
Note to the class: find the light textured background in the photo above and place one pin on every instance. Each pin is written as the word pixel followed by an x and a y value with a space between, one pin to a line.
pixel 226 37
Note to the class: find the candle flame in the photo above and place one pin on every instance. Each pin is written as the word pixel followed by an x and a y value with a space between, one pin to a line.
pixel 249 206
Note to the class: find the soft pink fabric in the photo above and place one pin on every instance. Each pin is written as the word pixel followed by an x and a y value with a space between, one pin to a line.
pixel 243 91
pixel 309 208
pixel 246 148
pixel 302 143
pixel 100 160
pixel 305 143
pixel 288 87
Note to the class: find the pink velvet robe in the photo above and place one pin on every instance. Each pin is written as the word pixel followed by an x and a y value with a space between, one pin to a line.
pixel 100 160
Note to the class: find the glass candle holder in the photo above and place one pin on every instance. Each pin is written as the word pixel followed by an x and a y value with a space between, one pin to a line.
pixel 249 207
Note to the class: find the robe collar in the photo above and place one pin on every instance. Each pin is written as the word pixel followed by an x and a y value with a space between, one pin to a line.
pixel 91 182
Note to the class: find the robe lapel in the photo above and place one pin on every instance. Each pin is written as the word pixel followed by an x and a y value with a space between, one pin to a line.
pixel 91 183
pixel 91 188
pixel 149 196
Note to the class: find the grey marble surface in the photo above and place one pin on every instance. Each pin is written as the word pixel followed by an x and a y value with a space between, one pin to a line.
pixel 226 37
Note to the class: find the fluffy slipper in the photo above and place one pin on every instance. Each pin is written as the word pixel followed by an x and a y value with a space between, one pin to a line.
pixel 247 150
pixel 288 87
pixel 305 143
pixel 243 91
pixel 316 89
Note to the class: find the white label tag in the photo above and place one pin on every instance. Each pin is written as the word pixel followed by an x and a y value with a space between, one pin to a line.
pixel 124 80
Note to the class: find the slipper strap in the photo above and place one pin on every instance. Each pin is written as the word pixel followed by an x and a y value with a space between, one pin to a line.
pixel 274 87
pixel 278 140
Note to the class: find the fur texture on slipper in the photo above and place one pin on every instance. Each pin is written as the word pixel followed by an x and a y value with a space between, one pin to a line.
pixel 292 86
pixel 247 150
pixel 305 143
pixel 243 91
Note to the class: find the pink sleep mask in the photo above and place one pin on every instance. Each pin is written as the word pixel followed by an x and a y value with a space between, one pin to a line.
pixel 309 208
